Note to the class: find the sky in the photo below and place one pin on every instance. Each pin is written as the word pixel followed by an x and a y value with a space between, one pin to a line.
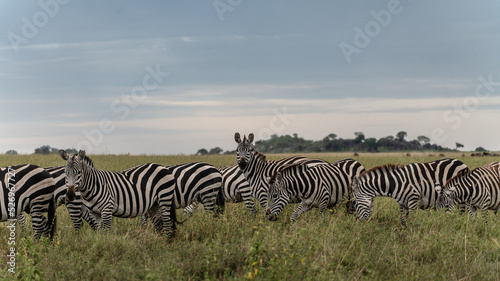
pixel 172 77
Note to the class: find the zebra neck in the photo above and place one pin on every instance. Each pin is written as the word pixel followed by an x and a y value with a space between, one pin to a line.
pixel 90 180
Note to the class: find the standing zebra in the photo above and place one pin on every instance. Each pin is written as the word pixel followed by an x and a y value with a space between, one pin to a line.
pixel 477 189
pixel 131 193
pixel 321 186
pixel 28 188
pixel 77 210
pixel 195 183
pixel 411 185
pixel 257 169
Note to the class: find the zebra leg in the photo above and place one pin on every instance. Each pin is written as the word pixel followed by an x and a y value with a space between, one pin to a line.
pixel 190 209
pixel 40 224
pixel 250 205
pixel 106 218
pixel 471 209
pixel 21 219
pixel 404 214
pixel 302 208
pixel 144 220
pixel 75 212
pixel 167 221
pixel 90 218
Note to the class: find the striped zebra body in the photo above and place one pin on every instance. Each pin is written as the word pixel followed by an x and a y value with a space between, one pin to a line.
pixel 33 190
pixel 235 189
pixel 76 209
pixel 477 189
pixel 147 188
pixel 196 182
pixel 257 170
pixel 321 186
pixel 412 185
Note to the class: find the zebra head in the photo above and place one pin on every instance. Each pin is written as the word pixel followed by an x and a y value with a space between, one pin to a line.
pixel 362 202
pixel 446 198
pixel 277 196
pixel 244 149
pixel 73 171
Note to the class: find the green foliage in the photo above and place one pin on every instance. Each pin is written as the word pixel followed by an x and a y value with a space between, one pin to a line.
pixel 330 143
pixel 334 246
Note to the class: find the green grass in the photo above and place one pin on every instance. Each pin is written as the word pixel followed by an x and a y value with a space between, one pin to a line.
pixel 333 246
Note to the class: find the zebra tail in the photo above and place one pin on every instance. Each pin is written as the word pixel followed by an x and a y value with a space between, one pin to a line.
pixel 52 218
pixel 220 201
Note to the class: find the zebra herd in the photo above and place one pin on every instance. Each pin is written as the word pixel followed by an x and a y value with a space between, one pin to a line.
pixel 154 192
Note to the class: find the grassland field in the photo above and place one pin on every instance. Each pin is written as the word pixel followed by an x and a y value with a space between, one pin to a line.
pixel 334 246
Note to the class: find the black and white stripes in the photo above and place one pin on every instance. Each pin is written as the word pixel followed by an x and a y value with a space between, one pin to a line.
pixel 134 192
pixel 477 189
pixel 411 185
pixel 33 188
pixel 321 186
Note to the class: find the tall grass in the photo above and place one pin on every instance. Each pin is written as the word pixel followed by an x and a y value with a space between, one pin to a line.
pixel 333 246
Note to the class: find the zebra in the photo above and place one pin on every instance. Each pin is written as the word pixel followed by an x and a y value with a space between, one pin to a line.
pixel 321 186
pixel 147 188
pixel 196 182
pixel 77 210
pixel 28 188
pixel 411 185
pixel 477 189
pixel 235 189
pixel 257 169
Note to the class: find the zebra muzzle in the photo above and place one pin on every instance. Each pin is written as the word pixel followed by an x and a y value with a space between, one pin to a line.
pixel 270 216
pixel 70 193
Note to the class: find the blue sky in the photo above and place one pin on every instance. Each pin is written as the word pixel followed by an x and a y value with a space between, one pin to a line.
pixel 170 77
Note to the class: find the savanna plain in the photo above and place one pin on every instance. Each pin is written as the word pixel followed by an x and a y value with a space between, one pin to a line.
pixel 435 245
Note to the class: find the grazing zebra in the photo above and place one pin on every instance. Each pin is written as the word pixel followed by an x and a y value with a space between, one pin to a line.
pixel 477 189
pixel 411 185
pixel 321 186
pixel 77 210
pixel 131 193
pixel 257 169
pixel 196 182
pixel 28 188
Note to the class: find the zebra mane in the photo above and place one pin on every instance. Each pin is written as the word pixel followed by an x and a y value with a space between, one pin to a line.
pixel 301 163
pixel 389 167
pixel 464 173
pixel 87 161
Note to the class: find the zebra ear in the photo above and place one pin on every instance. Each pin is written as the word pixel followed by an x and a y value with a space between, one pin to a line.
pixel 250 138
pixel 63 154
pixel 237 137
pixel 81 153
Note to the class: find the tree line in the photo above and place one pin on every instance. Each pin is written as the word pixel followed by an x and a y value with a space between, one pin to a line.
pixel 333 143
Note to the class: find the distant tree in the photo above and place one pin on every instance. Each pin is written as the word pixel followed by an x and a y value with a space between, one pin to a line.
pixel 401 135
pixel 423 140
pixel 458 145
pixel 11 152
pixel 332 136
pixel 371 144
pixel 216 150
pixel 480 149
pixel 202 152
pixel 68 150
pixel 360 137
pixel 44 149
